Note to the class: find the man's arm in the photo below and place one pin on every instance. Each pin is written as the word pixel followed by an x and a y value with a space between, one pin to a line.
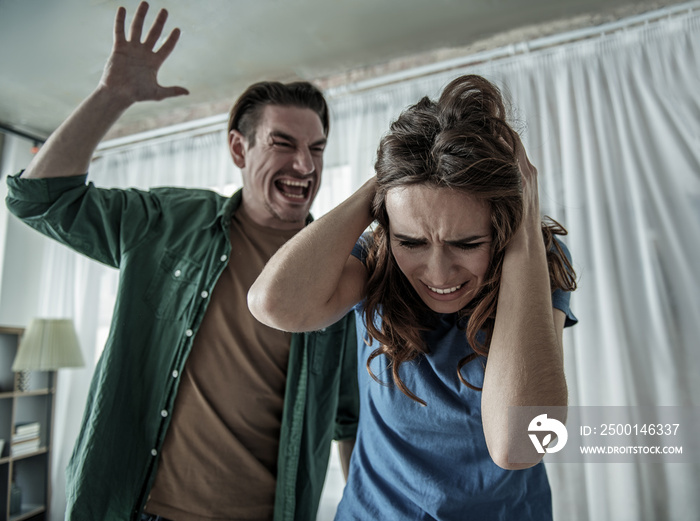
pixel 130 75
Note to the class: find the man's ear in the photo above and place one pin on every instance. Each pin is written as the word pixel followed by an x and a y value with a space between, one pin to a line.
pixel 237 147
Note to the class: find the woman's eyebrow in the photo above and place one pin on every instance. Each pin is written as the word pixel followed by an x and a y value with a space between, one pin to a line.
pixel 403 237
pixel 470 238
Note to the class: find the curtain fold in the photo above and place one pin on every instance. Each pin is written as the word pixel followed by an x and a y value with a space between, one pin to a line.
pixel 613 125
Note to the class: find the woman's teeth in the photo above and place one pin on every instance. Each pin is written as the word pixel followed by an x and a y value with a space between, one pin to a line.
pixel 444 291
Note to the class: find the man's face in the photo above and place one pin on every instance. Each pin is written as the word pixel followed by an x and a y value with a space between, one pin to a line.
pixel 441 240
pixel 282 171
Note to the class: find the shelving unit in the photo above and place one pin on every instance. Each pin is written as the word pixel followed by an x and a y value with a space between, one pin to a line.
pixel 31 471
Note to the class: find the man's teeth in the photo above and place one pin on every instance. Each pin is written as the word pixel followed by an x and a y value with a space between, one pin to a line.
pixel 297 188
pixel 303 184
pixel 444 291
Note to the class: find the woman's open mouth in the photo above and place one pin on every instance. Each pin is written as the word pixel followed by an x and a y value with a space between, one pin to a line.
pixel 446 293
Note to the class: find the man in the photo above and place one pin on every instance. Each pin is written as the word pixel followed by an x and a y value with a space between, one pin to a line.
pixel 196 411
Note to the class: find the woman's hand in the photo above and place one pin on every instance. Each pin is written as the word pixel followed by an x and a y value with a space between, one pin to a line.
pixel 531 200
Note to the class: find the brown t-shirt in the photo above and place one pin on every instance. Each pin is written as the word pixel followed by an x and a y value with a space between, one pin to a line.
pixel 219 458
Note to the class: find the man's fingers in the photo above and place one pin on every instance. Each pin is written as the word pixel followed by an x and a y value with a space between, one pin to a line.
pixel 137 22
pixel 156 29
pixel 119 36
pixel 168 45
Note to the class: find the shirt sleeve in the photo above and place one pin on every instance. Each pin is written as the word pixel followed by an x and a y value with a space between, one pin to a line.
pixel 560 298
pixel 362 246
pixel 99 223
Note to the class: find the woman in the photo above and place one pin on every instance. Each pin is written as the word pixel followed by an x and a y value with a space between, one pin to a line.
pixel 455 274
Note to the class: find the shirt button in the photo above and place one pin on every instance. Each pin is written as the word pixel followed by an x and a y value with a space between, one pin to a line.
pixel 164 413
pixel 204 294
pixel 223 258
pixel 188 332
pixel 154 452
pixel 175 373
pixel 177 273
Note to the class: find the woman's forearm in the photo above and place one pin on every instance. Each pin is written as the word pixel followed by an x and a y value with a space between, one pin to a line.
pixel 525 364
pixel 311 282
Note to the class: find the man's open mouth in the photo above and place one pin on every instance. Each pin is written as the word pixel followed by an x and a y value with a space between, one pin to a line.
pixel 297 189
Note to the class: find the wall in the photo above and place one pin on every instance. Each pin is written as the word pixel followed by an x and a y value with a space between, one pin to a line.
pixel 21 248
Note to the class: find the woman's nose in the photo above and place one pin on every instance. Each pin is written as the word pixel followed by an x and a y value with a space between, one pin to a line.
pixel 439 267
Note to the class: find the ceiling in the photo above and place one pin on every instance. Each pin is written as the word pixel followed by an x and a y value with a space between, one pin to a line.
pixel 52 51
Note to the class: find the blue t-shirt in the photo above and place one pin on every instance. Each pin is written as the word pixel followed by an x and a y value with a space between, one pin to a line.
pixel 432 463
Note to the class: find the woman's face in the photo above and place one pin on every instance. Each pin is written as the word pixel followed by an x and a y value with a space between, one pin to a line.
pixel 441 240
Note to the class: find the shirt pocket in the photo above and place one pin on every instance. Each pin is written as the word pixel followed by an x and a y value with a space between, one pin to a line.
pixel 173 286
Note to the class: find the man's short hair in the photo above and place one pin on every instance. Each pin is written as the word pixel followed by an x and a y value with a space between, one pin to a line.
pixel 246 112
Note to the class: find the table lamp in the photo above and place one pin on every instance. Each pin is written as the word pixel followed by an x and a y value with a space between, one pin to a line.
pixel 47 345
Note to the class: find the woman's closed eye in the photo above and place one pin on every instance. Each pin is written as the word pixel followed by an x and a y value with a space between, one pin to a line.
pixel 468 245
pixel 410 244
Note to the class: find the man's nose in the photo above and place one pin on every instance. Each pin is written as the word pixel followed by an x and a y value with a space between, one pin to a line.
pixel 303 162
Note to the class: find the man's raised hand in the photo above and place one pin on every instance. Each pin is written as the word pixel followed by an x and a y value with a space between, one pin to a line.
pixel 132 69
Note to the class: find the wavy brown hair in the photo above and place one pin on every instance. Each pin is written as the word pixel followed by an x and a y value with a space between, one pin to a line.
pixel 461 141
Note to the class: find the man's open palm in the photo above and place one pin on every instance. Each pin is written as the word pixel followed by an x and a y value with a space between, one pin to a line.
pixel 132 69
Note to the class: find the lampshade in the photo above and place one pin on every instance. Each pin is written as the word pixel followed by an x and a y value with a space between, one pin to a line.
pixel 48 344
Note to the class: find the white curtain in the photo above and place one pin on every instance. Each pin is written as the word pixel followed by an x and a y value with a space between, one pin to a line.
pixel 613 124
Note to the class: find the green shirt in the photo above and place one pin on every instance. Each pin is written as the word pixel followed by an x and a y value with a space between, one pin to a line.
pixel 149 236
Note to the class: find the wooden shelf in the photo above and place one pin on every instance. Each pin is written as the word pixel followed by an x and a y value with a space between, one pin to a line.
pixel 41 450
pixel 28 512
pixel 32 470
pixel 19 394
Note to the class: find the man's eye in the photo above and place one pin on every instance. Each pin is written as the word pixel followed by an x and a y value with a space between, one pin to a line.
pixel 281 144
